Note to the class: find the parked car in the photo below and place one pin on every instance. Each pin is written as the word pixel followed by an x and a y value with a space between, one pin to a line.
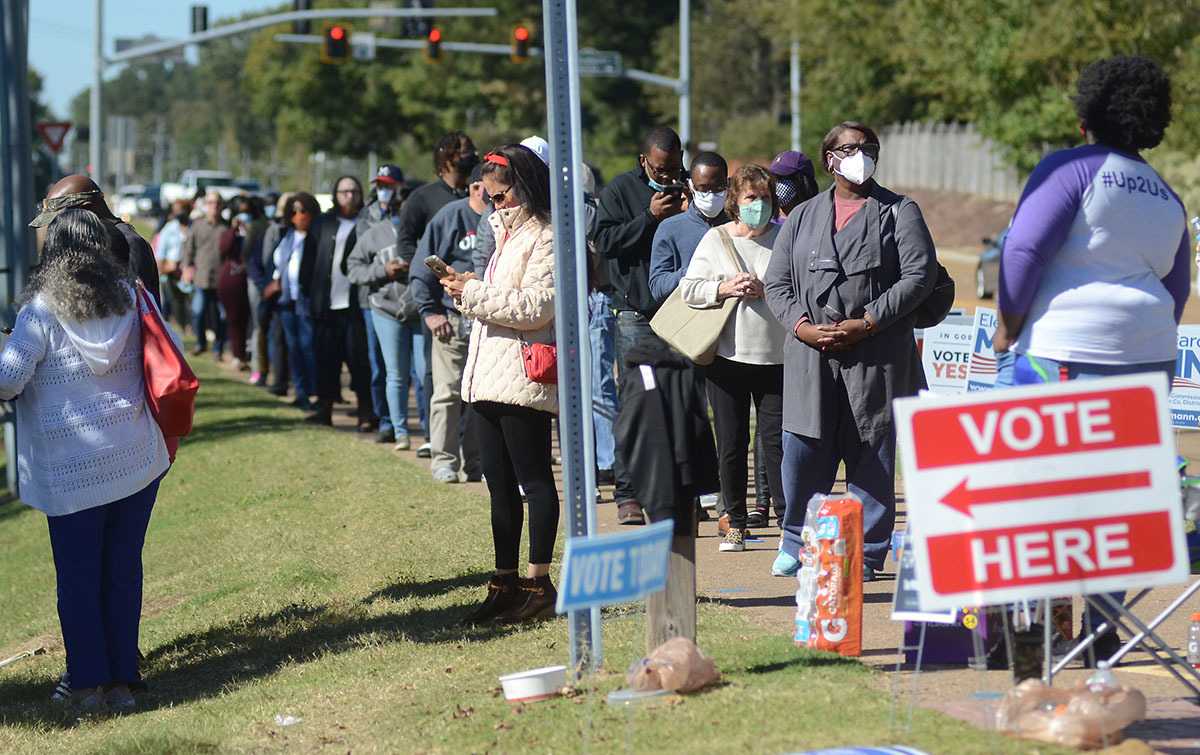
pixel 192 181
pixel 137 200
pixel 987 272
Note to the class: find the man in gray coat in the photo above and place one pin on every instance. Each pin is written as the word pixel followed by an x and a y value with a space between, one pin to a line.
pixel 202 268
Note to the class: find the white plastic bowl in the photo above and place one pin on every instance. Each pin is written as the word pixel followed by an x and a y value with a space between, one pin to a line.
pixel 538 684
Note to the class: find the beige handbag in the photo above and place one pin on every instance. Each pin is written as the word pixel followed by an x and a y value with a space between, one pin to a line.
pixel 696 332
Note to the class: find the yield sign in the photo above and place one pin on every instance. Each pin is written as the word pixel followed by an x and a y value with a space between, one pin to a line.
pixel 53 133
pixel 1060 489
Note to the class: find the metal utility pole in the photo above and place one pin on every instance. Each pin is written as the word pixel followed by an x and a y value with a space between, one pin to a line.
pixel 570 302
pixel 685 75
pixel 16 184
pixel 796 95
pixel 96 116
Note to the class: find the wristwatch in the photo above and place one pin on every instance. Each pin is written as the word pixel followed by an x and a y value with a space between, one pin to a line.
pixel 870 322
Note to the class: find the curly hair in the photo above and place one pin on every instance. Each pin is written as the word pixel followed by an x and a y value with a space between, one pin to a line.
pixel 1125 101
pixel 78 277
pixel 751 177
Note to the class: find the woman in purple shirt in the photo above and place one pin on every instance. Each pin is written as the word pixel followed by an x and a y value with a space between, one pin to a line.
pixel 1095 270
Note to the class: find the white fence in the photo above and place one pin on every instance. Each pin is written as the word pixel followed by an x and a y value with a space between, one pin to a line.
pixel 947 157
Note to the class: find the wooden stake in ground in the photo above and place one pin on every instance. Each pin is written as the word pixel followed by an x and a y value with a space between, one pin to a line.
pixel 672 612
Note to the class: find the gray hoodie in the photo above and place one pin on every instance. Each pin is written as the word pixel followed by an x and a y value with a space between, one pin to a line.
pixel 450 235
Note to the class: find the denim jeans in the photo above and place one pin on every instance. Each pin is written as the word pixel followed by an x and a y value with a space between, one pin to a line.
pixel 1029 370
pixel 98 568
pixel 302 359
pixel 207 309
pixel 403 348
pixel 378 374
pixel 601 324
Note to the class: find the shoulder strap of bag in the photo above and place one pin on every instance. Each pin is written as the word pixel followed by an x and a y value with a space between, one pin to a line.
pixel 727 242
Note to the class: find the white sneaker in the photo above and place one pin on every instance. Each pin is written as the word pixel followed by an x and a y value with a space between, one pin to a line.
pixel 425 451
pixel 734 541
pixel 445 474
pixel 402 443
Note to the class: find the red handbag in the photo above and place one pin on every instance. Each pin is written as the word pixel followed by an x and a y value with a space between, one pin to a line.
pixel 171 385
pixel 541 362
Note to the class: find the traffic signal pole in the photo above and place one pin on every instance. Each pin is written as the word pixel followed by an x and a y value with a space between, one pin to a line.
pixel 96 143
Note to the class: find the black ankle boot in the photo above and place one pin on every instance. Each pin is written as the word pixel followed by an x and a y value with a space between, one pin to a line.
pixel 502 595
pixel 536 601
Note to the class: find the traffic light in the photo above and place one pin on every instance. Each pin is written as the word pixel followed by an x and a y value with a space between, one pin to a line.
pixel 520 44
pixel 433 45
pixel 301 27
pixel 336 46
pixel 199 18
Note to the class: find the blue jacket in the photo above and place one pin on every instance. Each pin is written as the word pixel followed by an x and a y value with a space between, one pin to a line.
pixel 674 243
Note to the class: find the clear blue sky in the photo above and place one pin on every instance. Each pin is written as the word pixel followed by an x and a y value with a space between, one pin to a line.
pixel 61 33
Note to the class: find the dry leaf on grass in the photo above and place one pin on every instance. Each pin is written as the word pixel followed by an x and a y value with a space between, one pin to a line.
pixel 461 712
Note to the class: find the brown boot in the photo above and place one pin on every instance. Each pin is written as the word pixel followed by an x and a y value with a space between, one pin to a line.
pixel 537 600
pixel 502 595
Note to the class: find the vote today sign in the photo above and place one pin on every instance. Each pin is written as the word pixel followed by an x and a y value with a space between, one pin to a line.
pixel 607 569
pixel 1058 489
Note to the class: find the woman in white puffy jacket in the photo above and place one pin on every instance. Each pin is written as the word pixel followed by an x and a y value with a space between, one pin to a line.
pixel 513 304
pixel 89 453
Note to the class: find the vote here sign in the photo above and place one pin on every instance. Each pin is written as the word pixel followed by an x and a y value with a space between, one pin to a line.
pixel 607 569
pixel 1059 489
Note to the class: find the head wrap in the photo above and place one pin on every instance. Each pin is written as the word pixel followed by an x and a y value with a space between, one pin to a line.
pixel 49 208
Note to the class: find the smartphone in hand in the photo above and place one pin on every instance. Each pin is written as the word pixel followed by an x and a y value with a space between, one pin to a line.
pixel 438 266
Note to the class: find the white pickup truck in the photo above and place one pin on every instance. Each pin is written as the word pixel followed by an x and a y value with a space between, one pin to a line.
pixel 192 181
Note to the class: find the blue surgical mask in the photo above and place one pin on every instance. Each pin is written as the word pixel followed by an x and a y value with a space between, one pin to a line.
pixel 754 214
pixel 655 184
pixel 385 196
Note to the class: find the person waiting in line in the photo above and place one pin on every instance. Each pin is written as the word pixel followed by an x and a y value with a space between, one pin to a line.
pixel 450 236
pixel 729 263
pixel 202 269
pixel 252 224
pixel 339 332
pixel 849 269
pixel 632 206
pixel 271 357
pixel 231 290
pixel 1095 269
pixel 513 305
pixel 292 305
pixel 75 354
pixel 795 181
pixel 168 251
pixel 376 229
pixel 454 158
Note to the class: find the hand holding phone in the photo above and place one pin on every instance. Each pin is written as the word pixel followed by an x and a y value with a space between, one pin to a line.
pixel 438 266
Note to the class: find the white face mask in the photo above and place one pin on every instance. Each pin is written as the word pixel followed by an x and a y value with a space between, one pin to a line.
pixel 385 196
pixel 709 203
pixel 857 168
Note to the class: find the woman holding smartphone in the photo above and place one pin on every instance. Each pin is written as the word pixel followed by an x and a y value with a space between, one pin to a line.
pixel 513 304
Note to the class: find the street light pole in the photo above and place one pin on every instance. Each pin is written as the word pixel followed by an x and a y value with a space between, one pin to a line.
pixel 96 116
pixel 685 75
pixel 796 94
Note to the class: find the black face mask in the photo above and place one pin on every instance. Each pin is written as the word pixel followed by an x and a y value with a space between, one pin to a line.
pixel 466 163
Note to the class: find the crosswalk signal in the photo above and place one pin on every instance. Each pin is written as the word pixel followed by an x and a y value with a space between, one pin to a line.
pixel 336 48
pixel 433 45
pixel 520 44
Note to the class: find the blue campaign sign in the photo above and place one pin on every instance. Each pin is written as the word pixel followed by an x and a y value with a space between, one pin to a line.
pixel 982 369
pixel 1185 388
pixel 607 569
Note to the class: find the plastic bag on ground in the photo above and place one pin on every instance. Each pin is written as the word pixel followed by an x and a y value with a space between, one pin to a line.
pixel 1085 716
pixel 676 665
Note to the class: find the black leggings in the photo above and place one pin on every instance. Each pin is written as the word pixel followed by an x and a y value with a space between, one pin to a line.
pixel 514 447
pixel 732 388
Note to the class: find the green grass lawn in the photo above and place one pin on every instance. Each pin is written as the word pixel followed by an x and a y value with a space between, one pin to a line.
pixel 292 570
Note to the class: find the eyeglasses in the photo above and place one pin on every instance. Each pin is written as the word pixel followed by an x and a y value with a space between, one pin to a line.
pixel 664 171
pixel 846 150
pixel 499 196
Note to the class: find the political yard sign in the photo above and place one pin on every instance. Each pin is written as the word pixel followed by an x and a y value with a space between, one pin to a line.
pixel 946 354
pixel 1185 388
pixel 1058 489
pixel 606 569
pixel 981 371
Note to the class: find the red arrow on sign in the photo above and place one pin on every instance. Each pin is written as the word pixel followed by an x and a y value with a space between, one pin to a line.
pixel 962 497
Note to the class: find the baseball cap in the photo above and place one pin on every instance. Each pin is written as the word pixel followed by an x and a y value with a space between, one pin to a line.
pixel 476 174
pixel 790 163
pixel 388 174
pixel 539 147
